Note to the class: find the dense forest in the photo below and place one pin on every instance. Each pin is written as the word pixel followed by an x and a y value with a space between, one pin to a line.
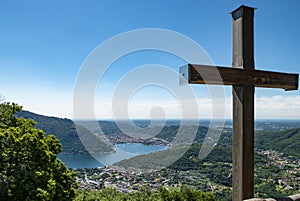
pixel 286 142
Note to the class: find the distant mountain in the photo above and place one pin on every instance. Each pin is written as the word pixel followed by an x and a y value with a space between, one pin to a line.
pixel 65 131
pixel 168 133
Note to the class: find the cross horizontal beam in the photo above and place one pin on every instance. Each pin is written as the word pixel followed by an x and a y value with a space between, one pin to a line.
pixel 217 75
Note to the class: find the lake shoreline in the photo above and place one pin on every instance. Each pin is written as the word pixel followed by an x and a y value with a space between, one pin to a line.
pixel 97 160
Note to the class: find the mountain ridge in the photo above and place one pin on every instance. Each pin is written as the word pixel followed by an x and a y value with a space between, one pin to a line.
pixel 287 141
pixel 67 132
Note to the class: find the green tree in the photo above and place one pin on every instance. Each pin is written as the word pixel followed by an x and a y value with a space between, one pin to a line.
pixel 29 168
pixel 144 194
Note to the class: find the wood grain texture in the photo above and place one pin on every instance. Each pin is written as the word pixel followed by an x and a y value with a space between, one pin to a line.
pixel 204 74
pixel 243 105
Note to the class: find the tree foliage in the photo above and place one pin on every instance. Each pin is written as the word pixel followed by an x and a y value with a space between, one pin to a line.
pixel 29 169
pixel 286 142
pixel 108 194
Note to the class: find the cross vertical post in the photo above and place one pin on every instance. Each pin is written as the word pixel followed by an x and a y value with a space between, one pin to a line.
pixel 243 106
pixel 244 78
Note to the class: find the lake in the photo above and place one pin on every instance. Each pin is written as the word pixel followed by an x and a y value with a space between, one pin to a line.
pixel 123 151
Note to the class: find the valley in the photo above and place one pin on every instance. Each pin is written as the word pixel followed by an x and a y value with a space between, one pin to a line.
pixel 277 159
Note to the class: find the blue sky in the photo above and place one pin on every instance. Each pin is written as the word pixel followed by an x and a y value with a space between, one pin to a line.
pixel 43 45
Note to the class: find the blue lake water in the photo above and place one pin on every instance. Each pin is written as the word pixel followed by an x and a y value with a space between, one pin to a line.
pixel 123 151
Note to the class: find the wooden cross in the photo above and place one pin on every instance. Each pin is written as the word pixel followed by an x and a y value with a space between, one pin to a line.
pixel 244 78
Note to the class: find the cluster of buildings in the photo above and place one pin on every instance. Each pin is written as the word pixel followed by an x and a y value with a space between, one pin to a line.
pixel 128 181
pixel 124 138
pixel 290 180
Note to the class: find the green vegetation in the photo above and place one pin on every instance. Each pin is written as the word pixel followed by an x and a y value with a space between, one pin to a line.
pixel 65 131
pixel 276 174
pixel 109 194
pixel 286 142
pixel 168 133
pixel 29 169
pixel 274 177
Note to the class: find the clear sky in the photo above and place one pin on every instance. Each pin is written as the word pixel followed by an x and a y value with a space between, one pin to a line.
pixel 43 45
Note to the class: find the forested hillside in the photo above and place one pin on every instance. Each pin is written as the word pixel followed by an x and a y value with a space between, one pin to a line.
pixel 286 142
pixel 216 167
pixel 65 131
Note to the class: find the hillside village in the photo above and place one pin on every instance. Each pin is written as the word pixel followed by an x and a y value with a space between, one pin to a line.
pixel 286 180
